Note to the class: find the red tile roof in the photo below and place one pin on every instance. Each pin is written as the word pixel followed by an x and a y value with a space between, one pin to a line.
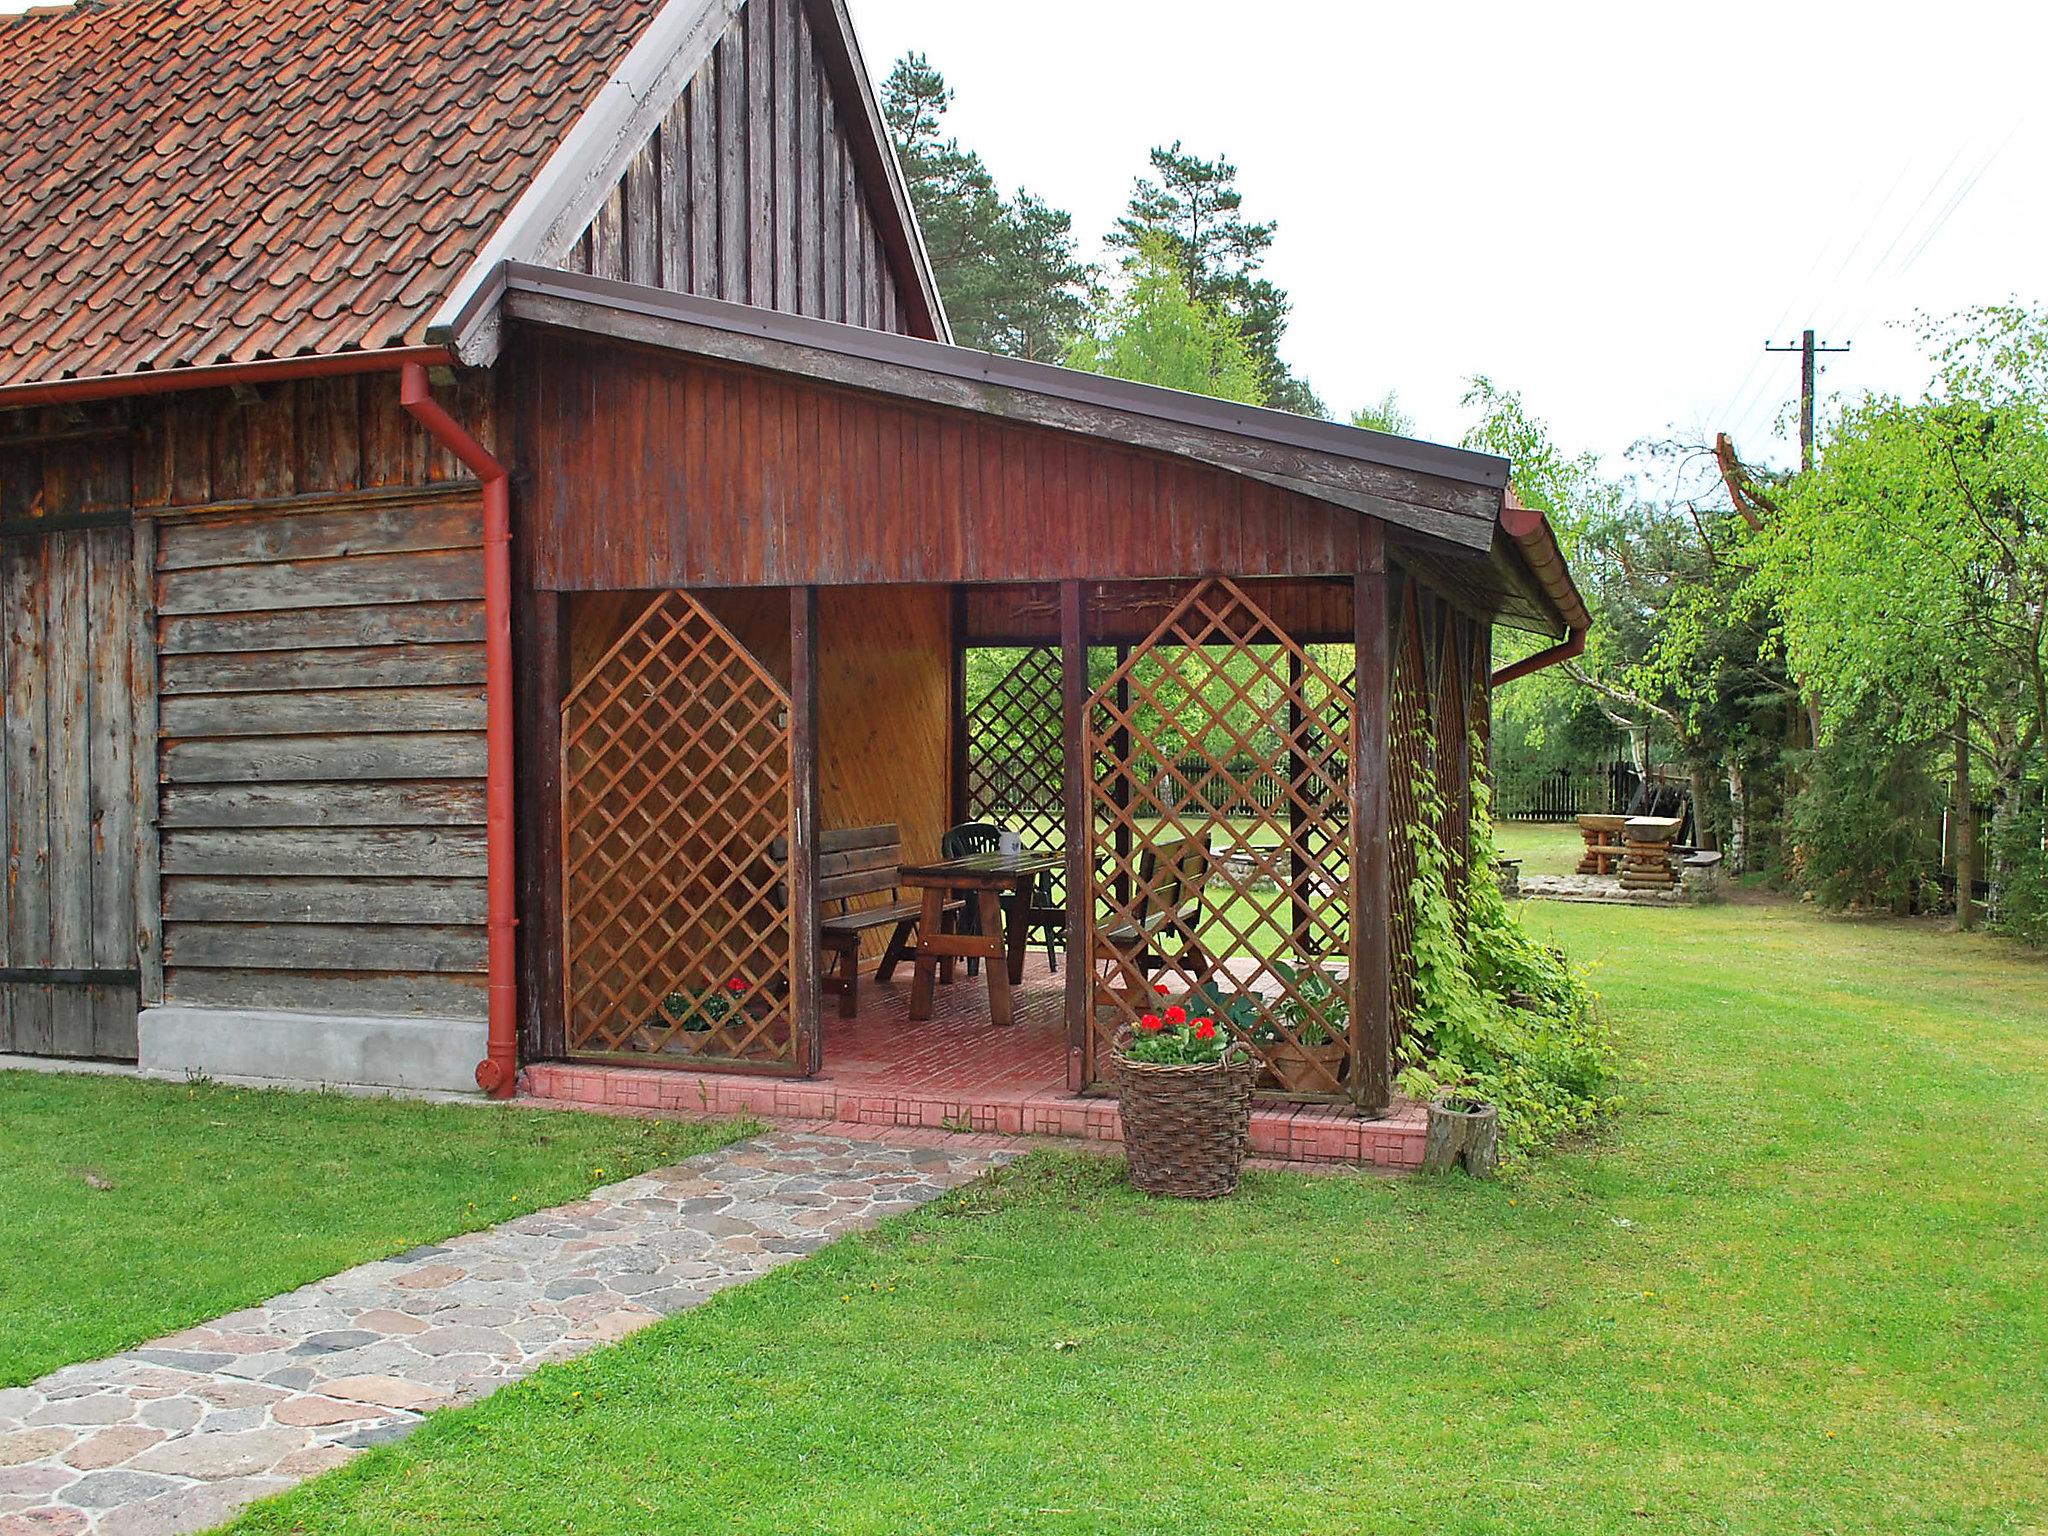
pixel 189 182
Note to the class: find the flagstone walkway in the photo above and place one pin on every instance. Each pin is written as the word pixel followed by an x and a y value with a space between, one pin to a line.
pixel 177 1435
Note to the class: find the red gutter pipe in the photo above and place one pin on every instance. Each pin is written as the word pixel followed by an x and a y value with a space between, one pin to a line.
pixel 1573 644
pixel 1532 534
pixel 498 1073
pixel 218 376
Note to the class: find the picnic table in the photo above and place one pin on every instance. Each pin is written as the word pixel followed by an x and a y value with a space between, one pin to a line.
pixel 981 878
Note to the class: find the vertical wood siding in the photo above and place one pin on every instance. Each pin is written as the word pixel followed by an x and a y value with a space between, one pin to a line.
pixel 650 470
pixel 747 189
pixel 74 677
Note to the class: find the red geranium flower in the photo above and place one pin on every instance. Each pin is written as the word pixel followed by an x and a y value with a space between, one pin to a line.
pixel 1176 1015
pixel 1149 1023
pixel 1205 1029
pixel 1159 987
pixel 737 984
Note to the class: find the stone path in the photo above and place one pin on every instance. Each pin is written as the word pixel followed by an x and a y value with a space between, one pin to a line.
pixel 177 1435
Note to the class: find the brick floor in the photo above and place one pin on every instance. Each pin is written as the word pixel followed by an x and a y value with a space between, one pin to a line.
pixel 956 1072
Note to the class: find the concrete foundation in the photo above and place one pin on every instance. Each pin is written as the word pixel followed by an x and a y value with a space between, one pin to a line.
pixel 323 1049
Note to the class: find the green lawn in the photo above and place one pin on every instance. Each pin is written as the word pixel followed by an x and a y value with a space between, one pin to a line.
pixel 1544 847
pixel 1800 1285
pixel 130 1209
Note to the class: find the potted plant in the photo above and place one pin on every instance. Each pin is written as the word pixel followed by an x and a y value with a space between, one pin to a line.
pixel 700 1010
pixel 1184 1084
pixel 1313 1051
pixel 1463 1127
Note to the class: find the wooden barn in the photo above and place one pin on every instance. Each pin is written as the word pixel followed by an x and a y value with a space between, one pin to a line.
pixel 502 569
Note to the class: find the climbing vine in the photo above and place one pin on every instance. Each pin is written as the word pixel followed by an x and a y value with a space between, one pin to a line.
pixel 1499 1018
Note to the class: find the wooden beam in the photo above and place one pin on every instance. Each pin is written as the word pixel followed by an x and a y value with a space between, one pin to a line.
pixel 1372 896
pixel 541 670
pixel 1080 870
pixel 956 710
pixel 805 959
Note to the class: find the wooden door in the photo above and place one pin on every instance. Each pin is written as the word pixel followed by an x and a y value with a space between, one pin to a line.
pixel 77 763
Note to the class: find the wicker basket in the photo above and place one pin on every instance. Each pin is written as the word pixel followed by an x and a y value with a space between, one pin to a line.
pixel 1185 1128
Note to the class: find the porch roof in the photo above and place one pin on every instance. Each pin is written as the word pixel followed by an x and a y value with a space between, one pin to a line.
pixel 1448 501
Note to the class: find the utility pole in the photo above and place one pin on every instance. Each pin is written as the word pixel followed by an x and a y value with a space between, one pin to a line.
pixel 1808 373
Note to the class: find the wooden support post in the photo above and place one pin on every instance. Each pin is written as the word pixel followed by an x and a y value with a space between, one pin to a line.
pixel 805 959
pixel 1372 894
pixel 957 810
pixel 1121 784
pixel 1297 818
pixel 542 672
pixel 1074 769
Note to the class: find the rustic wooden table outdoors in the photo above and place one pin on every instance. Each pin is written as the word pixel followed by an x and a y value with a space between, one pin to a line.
pixel 981 878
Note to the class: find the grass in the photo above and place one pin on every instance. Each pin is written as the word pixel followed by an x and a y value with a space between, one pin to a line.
pixel 131 1209
pixel 1800 1285
pixel 1544 847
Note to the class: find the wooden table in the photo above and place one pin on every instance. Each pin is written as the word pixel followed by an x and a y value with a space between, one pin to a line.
pixel 981 878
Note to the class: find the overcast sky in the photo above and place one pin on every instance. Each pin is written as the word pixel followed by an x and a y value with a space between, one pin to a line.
pixel 1606 207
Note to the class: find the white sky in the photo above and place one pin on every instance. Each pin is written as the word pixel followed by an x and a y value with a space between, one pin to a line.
pixel 1608 207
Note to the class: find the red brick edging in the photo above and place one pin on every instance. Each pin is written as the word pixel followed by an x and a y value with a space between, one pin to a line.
pixel 1312 1133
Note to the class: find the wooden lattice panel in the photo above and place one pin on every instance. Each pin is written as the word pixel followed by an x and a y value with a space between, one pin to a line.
pixel 1214 696
pixel 1015 757
pixel 1408 747
pixel 676 799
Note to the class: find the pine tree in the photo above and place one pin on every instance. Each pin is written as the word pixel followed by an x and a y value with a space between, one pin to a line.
pixel 1007 270
pixel 1197 209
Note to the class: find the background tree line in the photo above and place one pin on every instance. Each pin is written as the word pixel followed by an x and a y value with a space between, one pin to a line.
pixel 1831 659
pixel 1837 659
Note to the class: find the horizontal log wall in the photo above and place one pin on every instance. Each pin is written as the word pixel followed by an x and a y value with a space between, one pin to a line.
pixel 322 757
pixel 318 588
pixel 749 191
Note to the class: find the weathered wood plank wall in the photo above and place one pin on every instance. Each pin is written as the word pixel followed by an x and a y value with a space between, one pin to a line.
pixel 323 753
pixel 75 679
pixel 748 190
pixel 738 477
pixel 289 811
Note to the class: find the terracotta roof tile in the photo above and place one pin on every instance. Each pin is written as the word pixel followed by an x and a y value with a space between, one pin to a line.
pixel 192 181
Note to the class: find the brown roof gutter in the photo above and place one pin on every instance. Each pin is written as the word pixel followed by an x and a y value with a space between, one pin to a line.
pixel 219 376
pixel 1530 532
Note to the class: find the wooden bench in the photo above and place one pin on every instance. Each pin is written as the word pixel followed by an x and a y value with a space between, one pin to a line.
pixel 855 863
pixel 1172 878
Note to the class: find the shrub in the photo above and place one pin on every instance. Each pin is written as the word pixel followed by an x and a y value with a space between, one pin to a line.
pixel 1865 824
pixel 2022 878
pixel 1498 1016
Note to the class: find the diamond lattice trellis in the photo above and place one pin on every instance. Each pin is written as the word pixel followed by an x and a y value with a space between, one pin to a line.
pixel 1215 698
pixel 1015 756
pixel 676 792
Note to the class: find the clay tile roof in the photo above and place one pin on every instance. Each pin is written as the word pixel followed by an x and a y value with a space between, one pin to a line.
pixel 189 182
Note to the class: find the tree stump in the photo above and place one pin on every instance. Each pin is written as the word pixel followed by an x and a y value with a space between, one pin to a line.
pixel 1462 1136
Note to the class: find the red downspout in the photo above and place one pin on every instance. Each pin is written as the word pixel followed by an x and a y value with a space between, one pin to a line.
pixel 497 1074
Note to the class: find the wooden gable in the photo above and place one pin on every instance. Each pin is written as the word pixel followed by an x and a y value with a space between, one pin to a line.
pixel 763 184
